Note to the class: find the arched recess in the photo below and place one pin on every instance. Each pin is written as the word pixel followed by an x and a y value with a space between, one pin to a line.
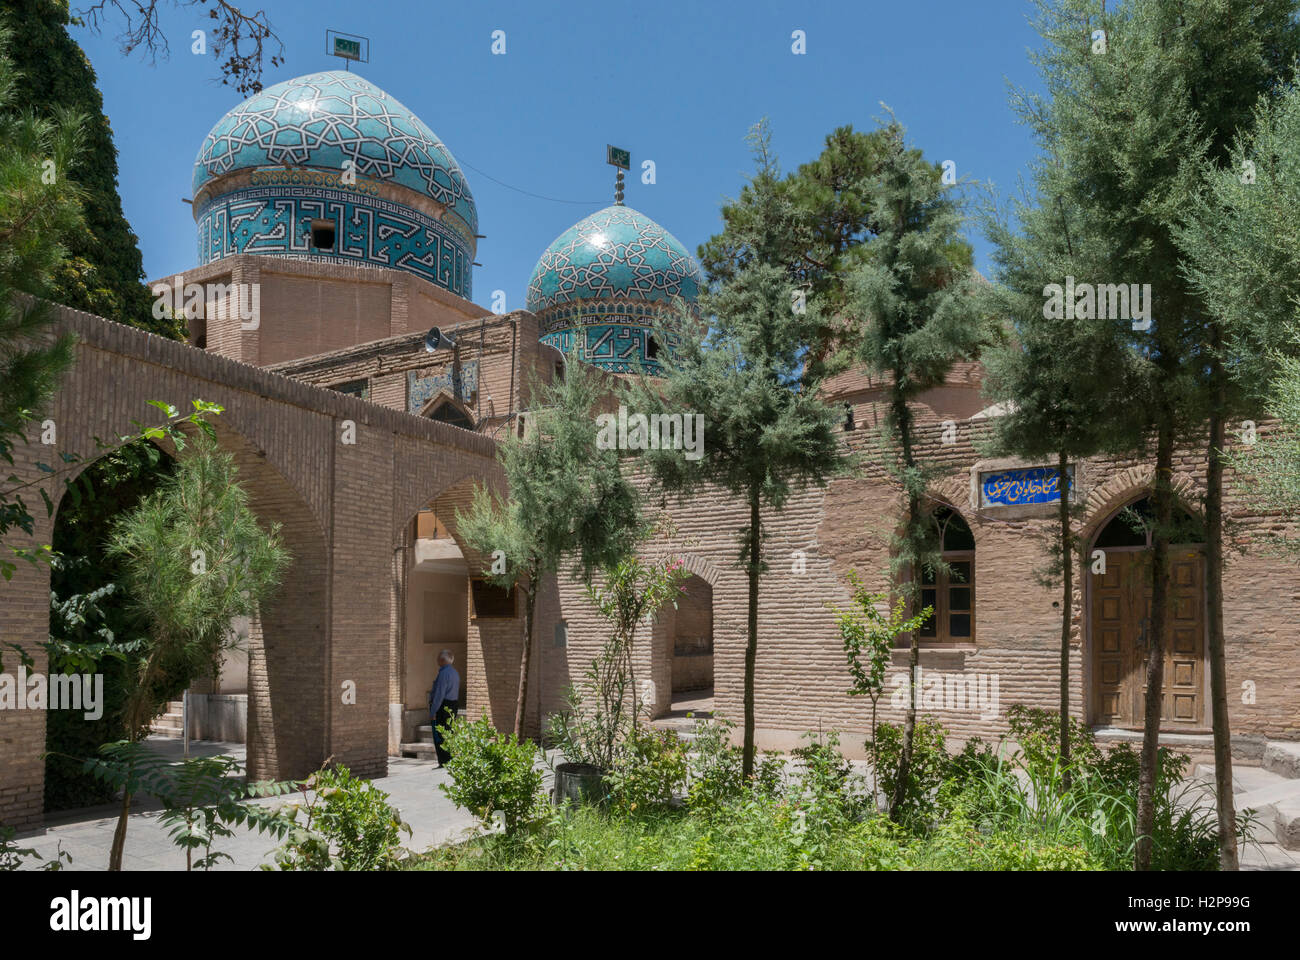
pixel 691 664
pixel 674 654
pixel 445 407
pixel 1118 612
pixel 287 640
pixel 433 608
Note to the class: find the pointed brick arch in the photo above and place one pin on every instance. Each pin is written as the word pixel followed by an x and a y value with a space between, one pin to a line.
pixel 335 471
pixel 1126 486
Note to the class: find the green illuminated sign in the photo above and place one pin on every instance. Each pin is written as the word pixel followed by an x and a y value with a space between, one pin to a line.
pixel 618 157
pixel 350 49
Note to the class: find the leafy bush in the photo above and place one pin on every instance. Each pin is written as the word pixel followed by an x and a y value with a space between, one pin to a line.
pixel 649 773
pixel 349 826
pixel 493 772
pixel 1038 732
pixel 1098 810
pixel 1184 833
pixel 826 779
pixel 714 765
pixel 975 760
pixel 929 766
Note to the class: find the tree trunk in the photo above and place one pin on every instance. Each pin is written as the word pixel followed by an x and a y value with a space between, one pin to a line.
pixel 903 418
pixel 875 759
pixel 1214 614
pixel 751 644
pixel 119 833
pixel 134 721
pixel 1155 647
pixel 1067 608
pixel 525 659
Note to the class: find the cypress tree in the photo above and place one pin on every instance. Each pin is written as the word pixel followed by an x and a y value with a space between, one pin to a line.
pixel 913 314
pixel 103 272
pixel 1043 371
pixel 744 369
pixel 1137 96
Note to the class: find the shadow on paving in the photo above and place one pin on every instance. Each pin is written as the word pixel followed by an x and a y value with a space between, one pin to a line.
pixel 87 834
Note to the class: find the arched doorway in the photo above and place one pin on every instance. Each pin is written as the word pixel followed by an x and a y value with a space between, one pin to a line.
pixel 1120 618
pixel 692 647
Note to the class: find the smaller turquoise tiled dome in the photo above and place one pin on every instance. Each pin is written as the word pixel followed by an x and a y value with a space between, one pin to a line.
pixel 616 253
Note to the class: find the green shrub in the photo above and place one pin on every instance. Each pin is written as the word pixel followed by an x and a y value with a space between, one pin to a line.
pixel 493 772
pixel 713 766
pixel 975 760
pixel 826 778
pixel 1038 733
pixel 1184 832
pixel 649 773
pixel 348 825
pixel 929 766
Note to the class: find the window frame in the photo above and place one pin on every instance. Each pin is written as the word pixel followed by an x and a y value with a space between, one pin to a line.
pixel 511 593
pixel 940 621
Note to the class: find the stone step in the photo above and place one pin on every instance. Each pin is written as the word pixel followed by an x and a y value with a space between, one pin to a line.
pixel 1245 778
pixel 1275 800
pixel 1282 758
pixel 421 749
pixel 1286 823
pixel 1266 856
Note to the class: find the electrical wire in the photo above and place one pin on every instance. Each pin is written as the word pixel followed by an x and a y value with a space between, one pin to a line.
pixel 527 193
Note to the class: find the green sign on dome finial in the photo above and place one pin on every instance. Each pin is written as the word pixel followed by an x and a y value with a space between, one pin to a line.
pixel 347 46
pixel 622 159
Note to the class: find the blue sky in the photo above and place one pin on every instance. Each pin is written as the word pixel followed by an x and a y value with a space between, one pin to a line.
pixel 675 82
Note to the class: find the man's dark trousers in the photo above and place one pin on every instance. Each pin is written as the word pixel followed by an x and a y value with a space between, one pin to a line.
pixel 445 714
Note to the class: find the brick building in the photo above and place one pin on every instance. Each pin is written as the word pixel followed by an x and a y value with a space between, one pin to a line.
pixel 335 231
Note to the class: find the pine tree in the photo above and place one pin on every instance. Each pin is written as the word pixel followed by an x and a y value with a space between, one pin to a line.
pixel 193 557
pixel 1240 241
pixel 914 314
pixel 744 370
pixel 1043 373
pixel 567 500
pixel 1137 96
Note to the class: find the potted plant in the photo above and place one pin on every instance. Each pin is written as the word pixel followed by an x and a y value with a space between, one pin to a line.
pixel 603 709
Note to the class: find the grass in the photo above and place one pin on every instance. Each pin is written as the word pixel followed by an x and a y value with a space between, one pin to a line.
pixel 755 834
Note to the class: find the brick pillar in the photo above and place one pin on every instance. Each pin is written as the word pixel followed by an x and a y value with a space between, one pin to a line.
pixel 402 558
pixel 24 621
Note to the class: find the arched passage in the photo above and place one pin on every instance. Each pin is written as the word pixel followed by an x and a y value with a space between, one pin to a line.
pixel 1119 606
pixel 692 647
pixel 439 602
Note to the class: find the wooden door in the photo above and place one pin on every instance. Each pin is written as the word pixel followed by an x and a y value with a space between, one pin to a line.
pixel 1120 622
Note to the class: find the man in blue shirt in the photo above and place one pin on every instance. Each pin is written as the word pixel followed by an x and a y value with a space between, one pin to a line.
pixel 443 701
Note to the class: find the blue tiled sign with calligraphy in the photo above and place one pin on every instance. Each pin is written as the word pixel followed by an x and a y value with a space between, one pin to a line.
pixel 1021 486
pixel 463 385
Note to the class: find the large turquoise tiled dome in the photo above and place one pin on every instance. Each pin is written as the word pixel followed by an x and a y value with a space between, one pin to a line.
pixel 599 288
pixel 322 119
pixel 615 252
pixel 329 167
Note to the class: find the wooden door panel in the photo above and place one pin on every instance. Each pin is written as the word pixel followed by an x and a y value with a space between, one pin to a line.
pixel 1121 611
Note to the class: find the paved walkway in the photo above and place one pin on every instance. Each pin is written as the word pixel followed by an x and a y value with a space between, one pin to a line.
pixel 411 785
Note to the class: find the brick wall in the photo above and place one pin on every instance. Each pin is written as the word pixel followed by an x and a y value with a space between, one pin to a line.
pixel 342 510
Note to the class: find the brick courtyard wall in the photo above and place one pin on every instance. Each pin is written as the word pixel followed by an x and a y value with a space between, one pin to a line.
pixel 802 679
pixel 341 507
